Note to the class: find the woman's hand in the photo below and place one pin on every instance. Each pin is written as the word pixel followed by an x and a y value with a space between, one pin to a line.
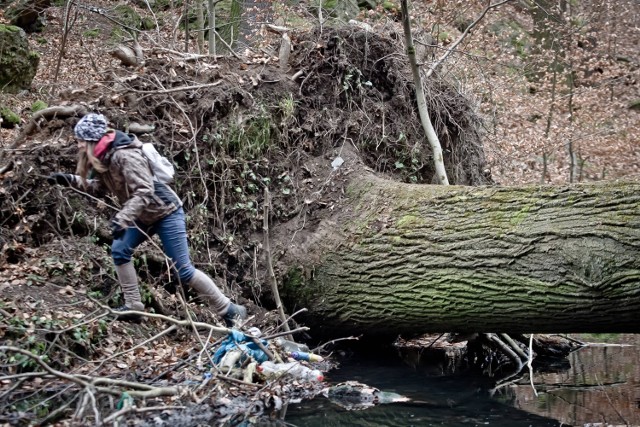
pixel 63 179
pixel 116 230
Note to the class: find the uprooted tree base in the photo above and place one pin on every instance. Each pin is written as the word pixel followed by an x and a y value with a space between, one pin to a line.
pixel 234 128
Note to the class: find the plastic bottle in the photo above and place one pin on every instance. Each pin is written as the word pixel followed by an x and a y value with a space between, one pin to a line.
pixel 309 357
pixel 294 369
pixel 290 346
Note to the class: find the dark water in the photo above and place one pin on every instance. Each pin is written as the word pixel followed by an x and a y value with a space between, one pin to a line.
pixel 599 386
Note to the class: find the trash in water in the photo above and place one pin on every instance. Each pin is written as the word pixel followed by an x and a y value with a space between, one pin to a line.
pixel 355 396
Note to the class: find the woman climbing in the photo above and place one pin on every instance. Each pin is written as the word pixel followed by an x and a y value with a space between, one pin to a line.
pixel 111 161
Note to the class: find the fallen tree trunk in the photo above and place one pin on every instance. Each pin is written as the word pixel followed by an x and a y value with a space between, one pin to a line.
pixel 408 259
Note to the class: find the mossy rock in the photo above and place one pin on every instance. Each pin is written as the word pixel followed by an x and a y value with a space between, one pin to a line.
pixel 18 64
pixel 27 15
pixel 9 118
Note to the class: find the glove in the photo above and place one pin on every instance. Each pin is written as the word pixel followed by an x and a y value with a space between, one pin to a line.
pixel 63 179
pixel 116 230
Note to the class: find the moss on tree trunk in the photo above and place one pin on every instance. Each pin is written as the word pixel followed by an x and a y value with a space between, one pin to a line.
pixel 411 259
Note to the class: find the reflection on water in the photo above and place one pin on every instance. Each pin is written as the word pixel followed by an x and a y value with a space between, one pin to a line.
pixel 600 385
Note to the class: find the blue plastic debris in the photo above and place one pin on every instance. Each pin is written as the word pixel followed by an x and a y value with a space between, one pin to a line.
pixel 238 340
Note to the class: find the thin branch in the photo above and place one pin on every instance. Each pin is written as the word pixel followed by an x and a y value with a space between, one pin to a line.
pixel 46 367
pixel 272 275
pixel 514 346
pixel 202 325
pixel 529 364
pixel 126 410
pixel 302 310
pixel 177 89
pixel 320 347
pixel 455 44
pixel 506 349
pixel 153 338
pixel 280 334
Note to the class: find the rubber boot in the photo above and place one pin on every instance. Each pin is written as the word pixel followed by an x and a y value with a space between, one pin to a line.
pixel 216 299
pixel 234 312
pixel 209 292
pixel 129 284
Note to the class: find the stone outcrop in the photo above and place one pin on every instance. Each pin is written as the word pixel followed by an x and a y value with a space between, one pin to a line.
pixel 18 64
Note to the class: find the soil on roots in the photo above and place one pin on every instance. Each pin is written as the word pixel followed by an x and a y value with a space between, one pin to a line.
pixel 239 130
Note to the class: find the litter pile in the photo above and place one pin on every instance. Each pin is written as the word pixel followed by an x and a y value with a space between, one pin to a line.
pixel 250 358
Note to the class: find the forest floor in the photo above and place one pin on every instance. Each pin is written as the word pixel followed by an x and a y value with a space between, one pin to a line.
pixel 56 279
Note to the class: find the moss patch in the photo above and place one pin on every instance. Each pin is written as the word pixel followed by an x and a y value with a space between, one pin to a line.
pixel 9 118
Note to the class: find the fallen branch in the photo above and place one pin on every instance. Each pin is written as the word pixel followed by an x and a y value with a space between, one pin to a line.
pixel 201 325
pixel 126 410
pixel 87 382
pixel 177 89
pixel 48 113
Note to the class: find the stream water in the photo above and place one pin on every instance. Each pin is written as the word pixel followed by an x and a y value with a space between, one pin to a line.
pixel 599 386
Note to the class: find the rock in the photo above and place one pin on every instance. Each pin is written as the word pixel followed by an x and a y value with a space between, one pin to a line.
pixel 27 14
pixel 18 64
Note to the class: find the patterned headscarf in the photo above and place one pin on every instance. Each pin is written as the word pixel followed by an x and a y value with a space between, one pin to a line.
pixel 91 127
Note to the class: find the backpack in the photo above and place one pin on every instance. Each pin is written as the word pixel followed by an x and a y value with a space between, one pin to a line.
pixel 160 166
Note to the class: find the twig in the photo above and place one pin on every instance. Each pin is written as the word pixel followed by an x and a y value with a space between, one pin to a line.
pixel 87 382
pixel 202 325
pixel 153 338
pixel 126 410
pixel 514 346
pixel 434 341
pixel 455 44
pixel 46 367
pixel 529 364
pixel 302 310
pixel 54 415
pixel 610 402
pixel 279 334
pixel 195 330
pixel 335 341
pixel 506 349
pixel 272 275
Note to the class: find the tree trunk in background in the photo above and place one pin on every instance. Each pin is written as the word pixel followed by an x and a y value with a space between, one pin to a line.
pixel 211 23
pixel 200 24
pixel 228 23
pixel 408 259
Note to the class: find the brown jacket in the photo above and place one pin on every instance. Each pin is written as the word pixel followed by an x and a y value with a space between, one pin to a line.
pixel 129 178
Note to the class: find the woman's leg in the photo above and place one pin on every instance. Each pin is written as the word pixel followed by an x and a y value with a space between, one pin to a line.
pixel 121 252
pixel 173 234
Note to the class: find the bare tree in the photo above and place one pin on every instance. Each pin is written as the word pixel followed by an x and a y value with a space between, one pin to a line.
pixel 432 136
pixel 70 16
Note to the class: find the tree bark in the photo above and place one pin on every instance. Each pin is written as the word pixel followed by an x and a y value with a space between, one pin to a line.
pixel 409 259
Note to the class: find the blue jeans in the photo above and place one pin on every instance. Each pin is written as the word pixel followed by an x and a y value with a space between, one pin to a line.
pixel 172 230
